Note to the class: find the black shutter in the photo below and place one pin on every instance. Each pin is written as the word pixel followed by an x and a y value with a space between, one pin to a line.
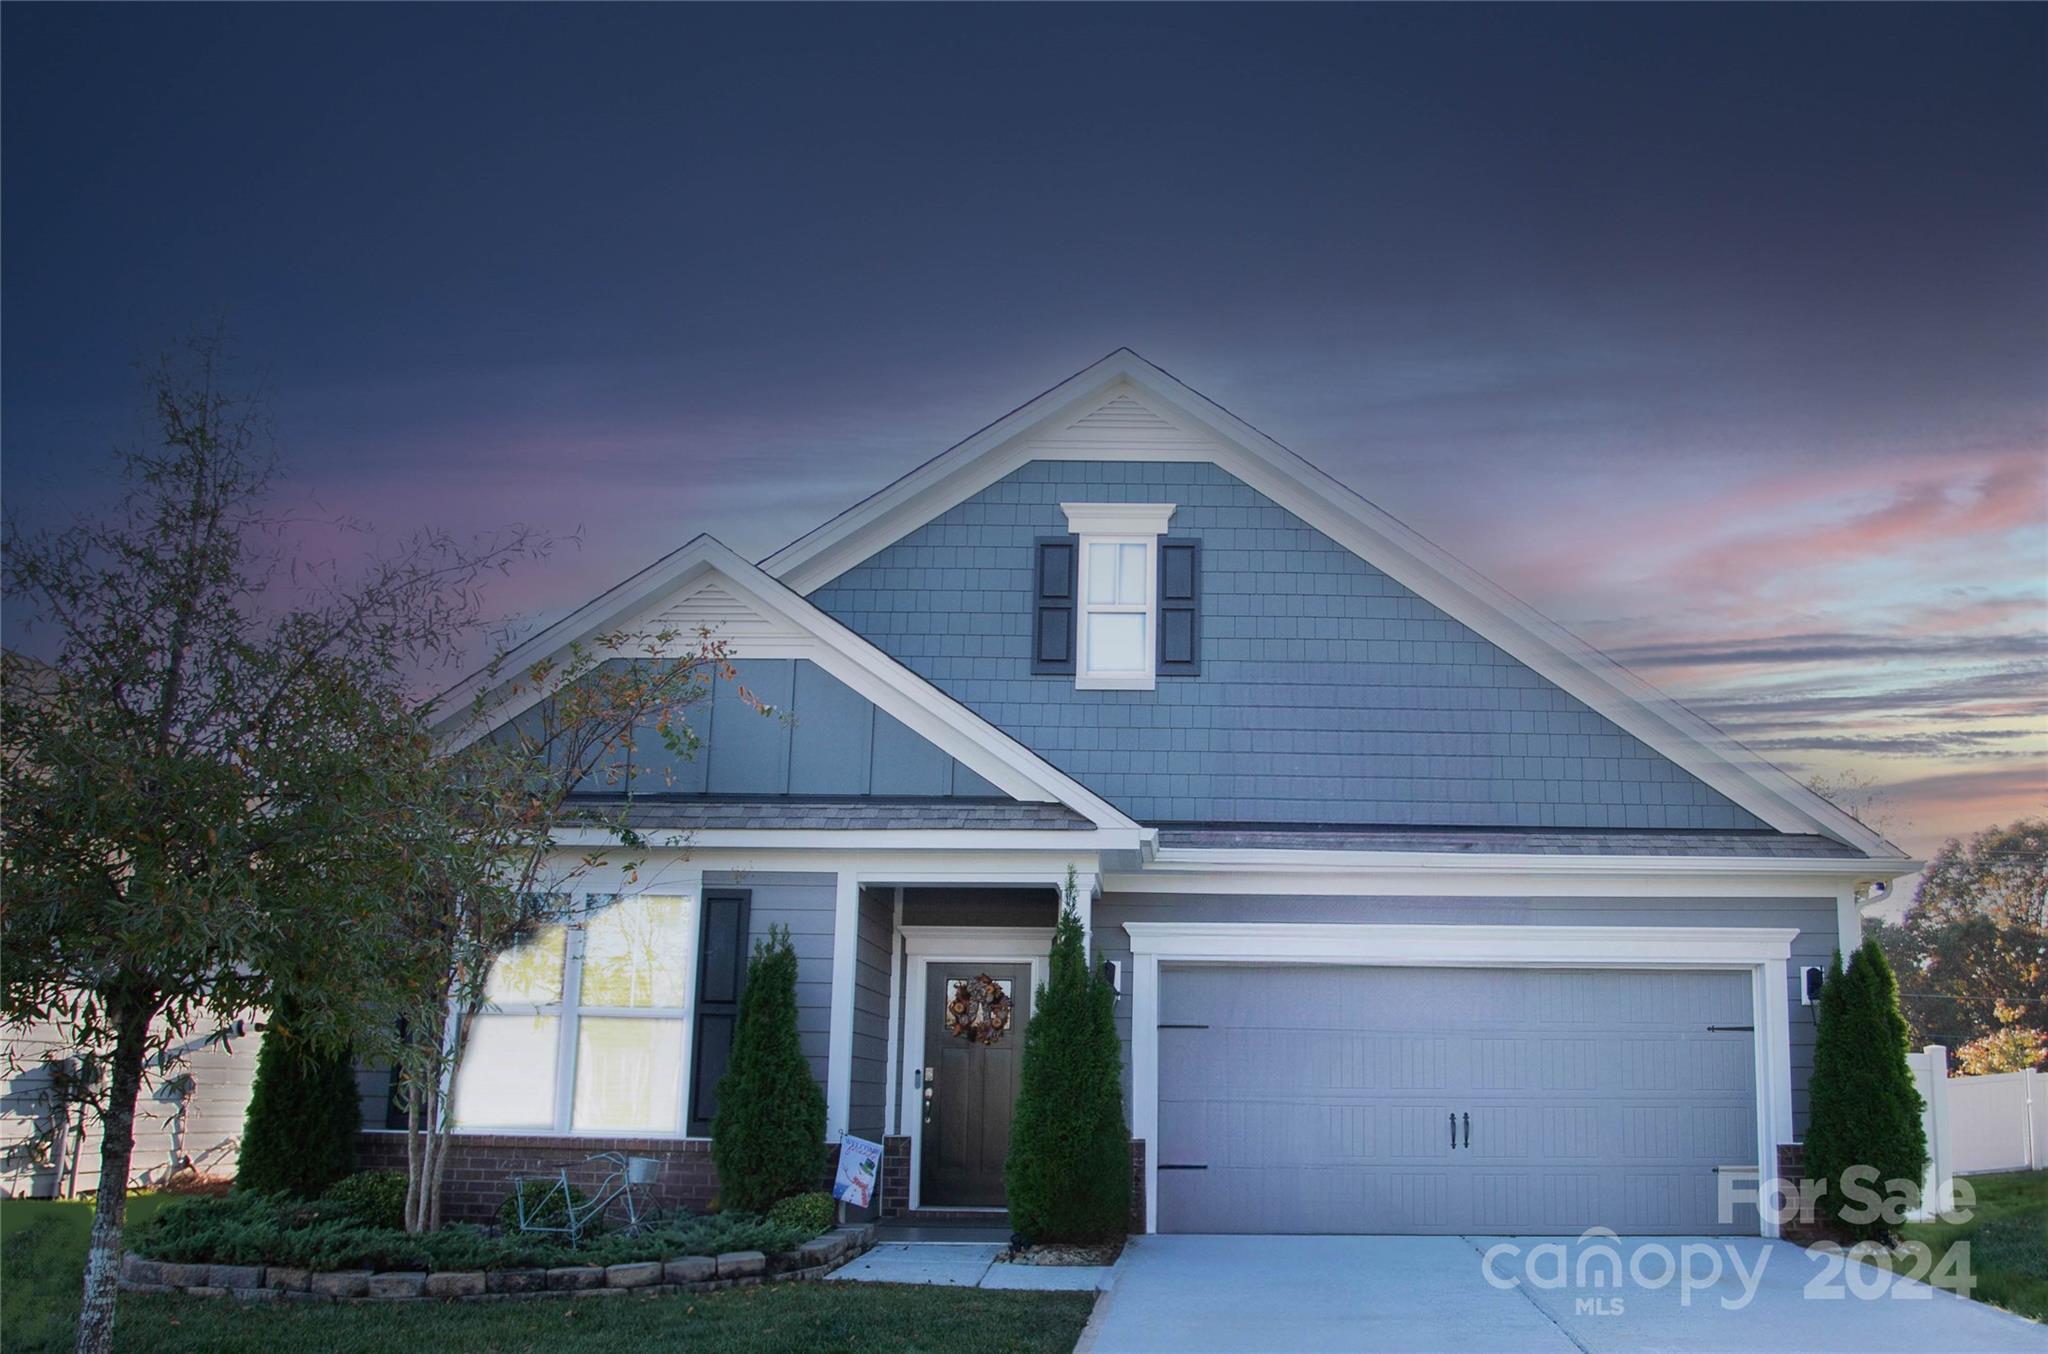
pixel 721 973
pixel 1052 613
pixel 1180 608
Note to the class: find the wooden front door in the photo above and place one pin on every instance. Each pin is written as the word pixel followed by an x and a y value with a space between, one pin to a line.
pixel 970 1090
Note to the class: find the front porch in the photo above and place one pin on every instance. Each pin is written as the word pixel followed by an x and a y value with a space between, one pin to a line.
pixel 939 1103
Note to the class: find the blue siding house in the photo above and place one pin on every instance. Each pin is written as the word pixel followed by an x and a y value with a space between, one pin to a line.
pixel 1425 916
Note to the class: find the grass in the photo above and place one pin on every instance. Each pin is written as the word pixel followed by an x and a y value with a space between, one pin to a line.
pixel 42 1257
pixel 2007 1237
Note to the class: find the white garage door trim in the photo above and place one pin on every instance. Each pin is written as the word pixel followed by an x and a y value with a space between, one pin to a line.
pixel 1760 951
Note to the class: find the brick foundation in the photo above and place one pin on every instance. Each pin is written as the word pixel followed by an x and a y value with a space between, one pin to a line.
pixel 894 1190
pixel 480 1167
pixel 1800 1231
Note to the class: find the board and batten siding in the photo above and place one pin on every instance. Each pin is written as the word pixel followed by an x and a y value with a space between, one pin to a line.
pixel 1328 692
pixel 816 736
pixel 1814 918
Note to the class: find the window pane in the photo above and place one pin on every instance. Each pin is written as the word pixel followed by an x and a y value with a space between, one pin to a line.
pixel 633 953
pixel 1101 573
pixel 508 1073
pixel 1116 643
pixel 530 974
pixel 1130 575
pixel 629 1074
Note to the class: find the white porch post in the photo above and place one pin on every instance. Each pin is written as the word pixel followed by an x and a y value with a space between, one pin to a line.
pixel 1085 884
pixel 1145 1072
pixel 839 1040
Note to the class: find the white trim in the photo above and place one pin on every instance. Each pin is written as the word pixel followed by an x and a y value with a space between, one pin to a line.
pixel 891 687
pixel 1342 514
pixel 924 946
pixel 1063 843
pixel 1761 951
pixel 569 1011
pixel 1118 519
pixel 839 1036
pixel 1848 921
pixel 1177 870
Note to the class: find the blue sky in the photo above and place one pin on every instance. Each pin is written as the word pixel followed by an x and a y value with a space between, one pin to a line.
pixel 1718 333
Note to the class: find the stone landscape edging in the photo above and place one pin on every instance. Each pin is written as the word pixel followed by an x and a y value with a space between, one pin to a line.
pixel 681 1274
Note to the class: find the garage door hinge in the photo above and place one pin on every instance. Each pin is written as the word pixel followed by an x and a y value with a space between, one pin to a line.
pixel 1168 1025
pixel 1731 1029
pixel 1181 1166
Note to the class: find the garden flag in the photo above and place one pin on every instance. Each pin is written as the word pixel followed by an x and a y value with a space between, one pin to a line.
pixel 859 1159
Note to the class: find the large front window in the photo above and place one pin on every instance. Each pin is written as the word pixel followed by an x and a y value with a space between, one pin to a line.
pixel 583 1030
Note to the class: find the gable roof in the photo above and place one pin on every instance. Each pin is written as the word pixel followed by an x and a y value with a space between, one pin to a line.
pixel 706 584
pixel 1161 418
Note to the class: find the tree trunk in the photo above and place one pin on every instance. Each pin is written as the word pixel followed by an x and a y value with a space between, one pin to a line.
pixel 415 1190
pixel 130 1014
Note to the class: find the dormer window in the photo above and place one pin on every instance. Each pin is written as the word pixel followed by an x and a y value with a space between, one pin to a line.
pixel 1115 593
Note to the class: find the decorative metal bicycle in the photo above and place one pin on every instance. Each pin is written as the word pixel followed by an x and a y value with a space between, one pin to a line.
pixel 557 1210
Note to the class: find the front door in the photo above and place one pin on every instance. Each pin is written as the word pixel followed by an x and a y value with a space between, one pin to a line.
pixel 971 1071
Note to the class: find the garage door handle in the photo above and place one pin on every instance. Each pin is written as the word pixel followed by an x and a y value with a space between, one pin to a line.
pixel 1468 1130
pixel 1454 1130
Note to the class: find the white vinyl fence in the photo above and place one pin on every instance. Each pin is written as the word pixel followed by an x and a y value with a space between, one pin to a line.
pixel 1979 1124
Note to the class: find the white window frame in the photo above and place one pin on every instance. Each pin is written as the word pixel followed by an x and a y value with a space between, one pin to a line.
pixel 570 1011
pixel 1140 524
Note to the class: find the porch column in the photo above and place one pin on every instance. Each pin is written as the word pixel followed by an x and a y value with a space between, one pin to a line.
pixel 839 1039
pixel 1085 882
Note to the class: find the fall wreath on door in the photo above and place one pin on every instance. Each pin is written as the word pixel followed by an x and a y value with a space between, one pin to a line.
pixel 978 1010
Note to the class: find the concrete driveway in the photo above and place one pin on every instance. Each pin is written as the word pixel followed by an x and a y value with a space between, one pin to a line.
pixel 1270 1294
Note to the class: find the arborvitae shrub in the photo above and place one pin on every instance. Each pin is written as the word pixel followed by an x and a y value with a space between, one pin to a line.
pixel 304 1114
pixel 768 1137
pixel 1865 1109
pixel 1068 1175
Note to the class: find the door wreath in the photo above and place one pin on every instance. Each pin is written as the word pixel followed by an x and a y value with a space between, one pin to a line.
pixel 978 1010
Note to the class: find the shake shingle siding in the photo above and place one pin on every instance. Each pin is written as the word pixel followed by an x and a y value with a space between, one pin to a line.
pixel 1328 692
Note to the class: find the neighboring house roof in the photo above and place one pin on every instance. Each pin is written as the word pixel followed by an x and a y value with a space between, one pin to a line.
pixel 694 815
pixel 1206 431
pixel 1469 841
pixel 705 585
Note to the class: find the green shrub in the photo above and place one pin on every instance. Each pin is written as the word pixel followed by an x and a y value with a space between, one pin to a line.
pixel 304 1113
pixel 270 1229
pixel 546 1205
pixel 1068 1175
pixel 1865 1107
pixel 768 1139
pixel 810 1213
pixel 373 1198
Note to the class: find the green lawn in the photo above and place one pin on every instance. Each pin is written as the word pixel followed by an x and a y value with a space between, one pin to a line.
pixel 42 1253
pixel 2008 1243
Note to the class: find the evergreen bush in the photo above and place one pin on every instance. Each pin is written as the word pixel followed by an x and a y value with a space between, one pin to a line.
pixel 546 1205
pixel 373 1198
pixel 1865 1109
pixel 304 1114
pixel 809 1213
pixel 768 1137
pixel 1068 1175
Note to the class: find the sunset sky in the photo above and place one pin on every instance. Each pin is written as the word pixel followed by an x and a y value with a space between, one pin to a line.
pixel 1719 334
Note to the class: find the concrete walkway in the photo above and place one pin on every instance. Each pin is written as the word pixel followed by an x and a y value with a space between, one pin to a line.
pixel 964 1265
pixel 1273 1294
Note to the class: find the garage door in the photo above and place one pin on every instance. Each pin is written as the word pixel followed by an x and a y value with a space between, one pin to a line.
pixel 1334 1099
